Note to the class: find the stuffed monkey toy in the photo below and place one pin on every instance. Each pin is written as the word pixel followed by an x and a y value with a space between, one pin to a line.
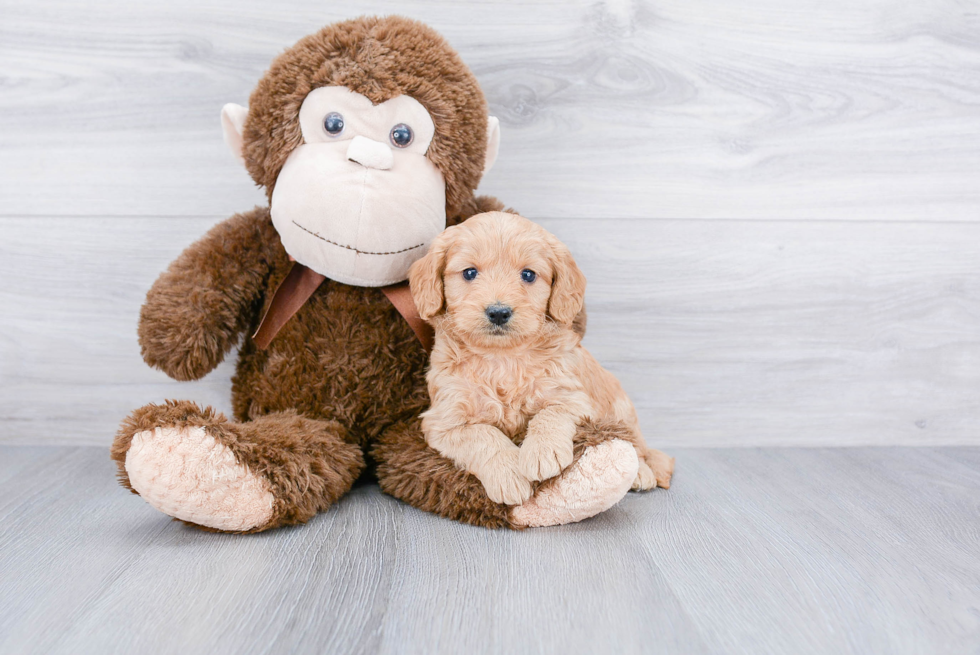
pixel 369 138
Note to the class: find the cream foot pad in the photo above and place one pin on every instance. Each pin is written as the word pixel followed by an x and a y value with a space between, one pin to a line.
pixel 185 473
pixel 596 482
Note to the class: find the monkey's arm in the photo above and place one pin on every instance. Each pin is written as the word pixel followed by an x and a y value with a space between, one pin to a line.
pixel 198 308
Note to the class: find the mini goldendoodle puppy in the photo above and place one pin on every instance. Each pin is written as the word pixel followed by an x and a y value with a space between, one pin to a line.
pixel 502 294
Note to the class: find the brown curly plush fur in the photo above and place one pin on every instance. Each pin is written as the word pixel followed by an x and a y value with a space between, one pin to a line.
pixel 379 58
pixel 346 372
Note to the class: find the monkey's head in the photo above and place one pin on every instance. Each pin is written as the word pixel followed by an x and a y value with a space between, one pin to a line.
pixel 367 136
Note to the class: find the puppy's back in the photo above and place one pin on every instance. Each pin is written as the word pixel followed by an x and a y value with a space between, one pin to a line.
pixel 608 397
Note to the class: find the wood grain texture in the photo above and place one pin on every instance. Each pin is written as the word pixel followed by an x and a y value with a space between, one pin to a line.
pixel 723 332
pixel 816 325
pixel 751 551
pixel 663 108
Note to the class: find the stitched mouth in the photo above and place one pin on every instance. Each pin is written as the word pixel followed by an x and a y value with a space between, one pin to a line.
pixel 346 247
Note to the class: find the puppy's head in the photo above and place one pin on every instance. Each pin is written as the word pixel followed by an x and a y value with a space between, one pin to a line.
pixel 499 278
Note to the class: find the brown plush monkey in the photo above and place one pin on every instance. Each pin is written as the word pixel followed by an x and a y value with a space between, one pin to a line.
pixel 369 137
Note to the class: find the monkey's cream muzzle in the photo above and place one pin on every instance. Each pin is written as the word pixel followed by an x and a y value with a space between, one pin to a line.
pixel 350 203
pixel 358 224
pixel 357 201
pixel 354 206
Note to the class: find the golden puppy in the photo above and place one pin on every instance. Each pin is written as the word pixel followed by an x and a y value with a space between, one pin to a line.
pixel 502 294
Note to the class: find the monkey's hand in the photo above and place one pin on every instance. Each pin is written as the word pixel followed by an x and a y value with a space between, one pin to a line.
pixel 199 307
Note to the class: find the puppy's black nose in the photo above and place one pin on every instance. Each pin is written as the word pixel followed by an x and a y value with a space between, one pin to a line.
pixel 499 314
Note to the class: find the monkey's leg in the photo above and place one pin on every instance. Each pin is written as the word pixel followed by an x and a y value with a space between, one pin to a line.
pixel 604 466
pixel 203 469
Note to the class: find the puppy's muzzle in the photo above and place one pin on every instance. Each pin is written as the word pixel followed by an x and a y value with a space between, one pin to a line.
pixel 499 314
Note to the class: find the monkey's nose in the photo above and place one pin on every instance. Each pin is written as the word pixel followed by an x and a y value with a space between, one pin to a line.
pixel 370 153
pixel 498 314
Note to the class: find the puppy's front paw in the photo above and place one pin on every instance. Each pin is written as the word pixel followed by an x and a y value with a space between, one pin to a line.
pixel 542 458
pixel 504 481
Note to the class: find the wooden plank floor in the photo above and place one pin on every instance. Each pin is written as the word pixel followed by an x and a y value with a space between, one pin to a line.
pixel 872 550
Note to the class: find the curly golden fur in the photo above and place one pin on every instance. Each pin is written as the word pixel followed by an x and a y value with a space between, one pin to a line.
pixel 495 376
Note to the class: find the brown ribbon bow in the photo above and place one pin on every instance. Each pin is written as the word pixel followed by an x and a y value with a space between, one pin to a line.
pixel 297 287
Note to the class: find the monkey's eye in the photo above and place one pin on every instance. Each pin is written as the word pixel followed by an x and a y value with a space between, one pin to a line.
pixel 469 274
pixel 528 275
pixel 333 123
pixel 402 136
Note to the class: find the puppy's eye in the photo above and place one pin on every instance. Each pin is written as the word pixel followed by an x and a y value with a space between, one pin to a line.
pixel 402 135
pixel 528 275
pixel 469 274
pixel 333 123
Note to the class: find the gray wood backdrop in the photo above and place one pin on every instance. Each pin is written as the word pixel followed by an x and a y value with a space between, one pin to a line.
pixel 777 204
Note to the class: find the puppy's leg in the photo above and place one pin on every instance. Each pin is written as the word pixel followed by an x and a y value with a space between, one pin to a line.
pixel 656 469
pixel 487 453
pixel 605 464
pixel 548 447
pixel 413 471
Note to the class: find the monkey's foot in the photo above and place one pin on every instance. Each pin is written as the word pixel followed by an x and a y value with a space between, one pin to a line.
pixel 186 473
pixel 595 482
pixel 197 466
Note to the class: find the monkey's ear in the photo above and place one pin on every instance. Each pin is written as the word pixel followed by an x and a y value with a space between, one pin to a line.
pixel 233 126
pixel 493 143
pixel 567 287
pixel 425 277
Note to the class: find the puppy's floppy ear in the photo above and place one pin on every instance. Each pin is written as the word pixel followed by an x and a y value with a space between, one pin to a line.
pixel 567 285
pixel 425 277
